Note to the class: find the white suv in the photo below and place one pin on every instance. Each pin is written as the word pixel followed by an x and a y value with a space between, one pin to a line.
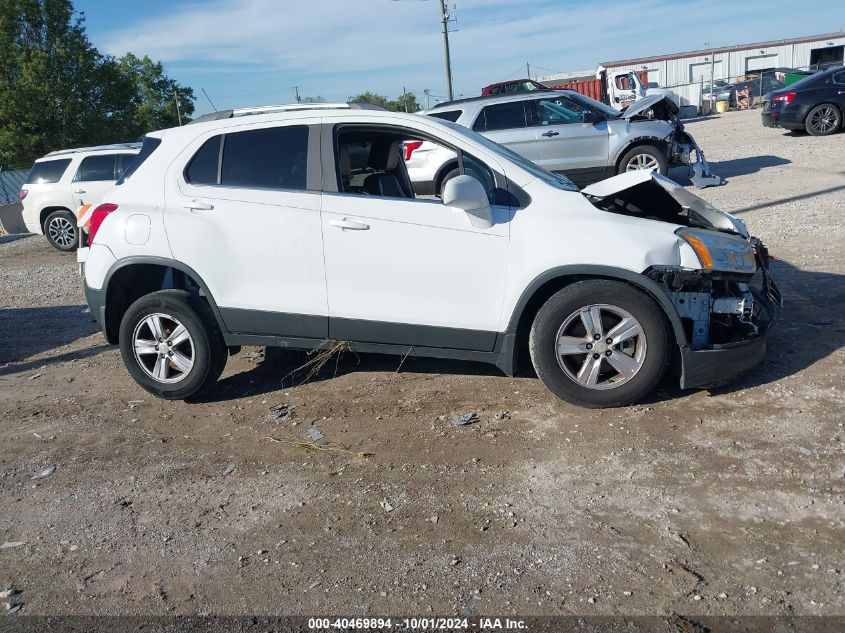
pixel 294 228
pixel 63 181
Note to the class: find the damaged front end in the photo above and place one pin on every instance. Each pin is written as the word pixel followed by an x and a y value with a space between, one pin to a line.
pixel 681 144
pixel 722 291
pixel 725 317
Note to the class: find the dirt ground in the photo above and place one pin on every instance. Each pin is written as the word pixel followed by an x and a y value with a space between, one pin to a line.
pixel 727 501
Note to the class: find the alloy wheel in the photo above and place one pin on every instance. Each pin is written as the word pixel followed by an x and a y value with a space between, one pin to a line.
pixel 600 346
pixel 824 119
pixel 163 348
pixel 61 231
pixel 642 161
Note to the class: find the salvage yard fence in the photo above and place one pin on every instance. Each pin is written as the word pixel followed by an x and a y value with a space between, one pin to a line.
pixel 11 181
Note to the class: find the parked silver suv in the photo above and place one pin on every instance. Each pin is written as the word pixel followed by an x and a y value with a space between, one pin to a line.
pixel 566 132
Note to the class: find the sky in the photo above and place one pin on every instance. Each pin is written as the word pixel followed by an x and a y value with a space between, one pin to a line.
pixel 254 52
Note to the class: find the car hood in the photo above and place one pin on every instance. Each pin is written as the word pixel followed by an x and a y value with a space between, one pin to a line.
pixel 641 106
pixel 647 194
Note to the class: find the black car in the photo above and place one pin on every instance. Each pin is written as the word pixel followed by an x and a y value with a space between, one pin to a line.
pixel 816 104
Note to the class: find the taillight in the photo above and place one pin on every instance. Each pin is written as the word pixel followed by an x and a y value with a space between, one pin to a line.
pixel 97 218
pixel 22 193
pixel 787 98
pixel 409 147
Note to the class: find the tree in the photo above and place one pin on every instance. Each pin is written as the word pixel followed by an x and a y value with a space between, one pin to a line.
pixel 154 96
pixel 406 102
pixel 57 91
pixel 370 97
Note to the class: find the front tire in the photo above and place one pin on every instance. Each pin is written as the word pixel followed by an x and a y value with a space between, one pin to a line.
pixel 600 343
pixel 171 344
pixel 644 157
pixel 823 120
pixel 61 231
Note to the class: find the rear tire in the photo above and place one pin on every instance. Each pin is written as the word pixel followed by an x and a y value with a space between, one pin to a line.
pixel 644 157
pixel 167 361
pixel 603 374
pixel 823 120
pixel 61 231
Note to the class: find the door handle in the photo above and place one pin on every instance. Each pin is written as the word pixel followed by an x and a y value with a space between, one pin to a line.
pixel 79 191
pixel 198 205
pixel 549 134
pixel 350 224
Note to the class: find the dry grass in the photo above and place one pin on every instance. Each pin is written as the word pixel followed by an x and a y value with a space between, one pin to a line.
pixel 319 358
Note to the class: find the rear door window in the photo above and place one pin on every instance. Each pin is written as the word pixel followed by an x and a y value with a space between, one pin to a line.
pixel 270 158
pixel 47 171
pixel 502 116
pixel 96 168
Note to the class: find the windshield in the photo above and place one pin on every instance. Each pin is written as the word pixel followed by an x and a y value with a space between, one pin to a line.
pixel 555 180
pixel 606 110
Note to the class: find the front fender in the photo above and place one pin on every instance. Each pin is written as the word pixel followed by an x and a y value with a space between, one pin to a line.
pixel 581 271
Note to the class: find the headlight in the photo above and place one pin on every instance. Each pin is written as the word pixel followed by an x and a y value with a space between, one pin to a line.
pixel 717 251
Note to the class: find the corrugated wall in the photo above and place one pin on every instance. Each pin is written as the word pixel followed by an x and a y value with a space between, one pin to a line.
pixel 730 64
pixel 10 184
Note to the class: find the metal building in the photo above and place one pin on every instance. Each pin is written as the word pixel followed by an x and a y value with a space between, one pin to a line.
pixel 731 62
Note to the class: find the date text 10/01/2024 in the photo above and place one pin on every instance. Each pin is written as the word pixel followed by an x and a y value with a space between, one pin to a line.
pixel 417 624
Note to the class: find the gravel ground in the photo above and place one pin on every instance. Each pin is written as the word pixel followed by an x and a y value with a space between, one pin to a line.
pixel 727 501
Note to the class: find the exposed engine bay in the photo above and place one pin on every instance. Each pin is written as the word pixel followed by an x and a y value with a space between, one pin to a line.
pixel 717 308
pixel 720 309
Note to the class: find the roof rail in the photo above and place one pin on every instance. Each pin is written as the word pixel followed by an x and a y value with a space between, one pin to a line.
pixel 96 148
pixel 285 107
pixel 515 95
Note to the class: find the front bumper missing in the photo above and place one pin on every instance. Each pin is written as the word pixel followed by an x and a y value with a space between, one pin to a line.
pixel 727 319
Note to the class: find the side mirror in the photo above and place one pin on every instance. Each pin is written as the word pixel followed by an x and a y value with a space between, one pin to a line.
pixel 465 192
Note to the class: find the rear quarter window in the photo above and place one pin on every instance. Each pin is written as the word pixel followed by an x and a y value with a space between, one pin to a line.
pixel 447 115
pixel 47 171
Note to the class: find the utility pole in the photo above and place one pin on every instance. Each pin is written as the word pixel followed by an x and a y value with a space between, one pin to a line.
pixel 427 94
pixel 296 94
pixel 405 98
pixel 444 16
pixel 178 110
pixel 528 69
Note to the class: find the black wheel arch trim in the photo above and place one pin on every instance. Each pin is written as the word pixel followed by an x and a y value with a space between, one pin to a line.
pixel 588 271
pixel 157 261
pixel 660 143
